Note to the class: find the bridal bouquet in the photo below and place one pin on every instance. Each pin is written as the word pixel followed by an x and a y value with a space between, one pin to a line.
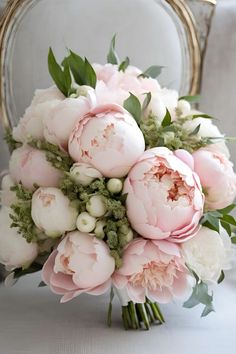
pixel 116 183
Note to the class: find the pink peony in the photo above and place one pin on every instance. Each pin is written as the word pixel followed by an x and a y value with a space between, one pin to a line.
pixel 109 139
pixel 152 268
pixel 217 177
pixel 31 124
pixel 60 120
pixel 30 166
pixel 164 195
pixel 80 264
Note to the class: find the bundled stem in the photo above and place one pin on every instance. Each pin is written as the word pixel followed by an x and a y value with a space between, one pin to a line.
pixel 136 316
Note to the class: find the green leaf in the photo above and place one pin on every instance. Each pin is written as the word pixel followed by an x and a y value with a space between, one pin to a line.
pixel 123 66
pixel 167 119
pixel 206 116
pixel 90 75
pixel 200 296
pixel 42 284
pixel 112 56
pixel 146 101
pixel 196 130
pixel 221 278
pixel 233 239
pixel 208 309
pixel 154 71
pixel 133 106
pixel 76 64
pixel 56 72
pixel 227 210
pixel 210 221
pixel 227 227
pixel 190 98
pixel 67 78
pixel 229 219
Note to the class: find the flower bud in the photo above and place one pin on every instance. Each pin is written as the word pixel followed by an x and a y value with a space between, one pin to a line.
pixel 183 107
pixel 83 173
pixel 99 230
pixel 96 206
pixel 52 212
pixel 85 222
pixel 114 185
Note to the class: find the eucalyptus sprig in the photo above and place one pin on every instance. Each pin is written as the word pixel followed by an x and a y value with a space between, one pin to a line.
pixel 11 142
pixel 200 295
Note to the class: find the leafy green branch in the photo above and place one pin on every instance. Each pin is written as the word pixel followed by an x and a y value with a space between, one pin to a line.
pixel 216 218
pixel 200 295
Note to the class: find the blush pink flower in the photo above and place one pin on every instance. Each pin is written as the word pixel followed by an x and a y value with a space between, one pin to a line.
pixel 164 195
pixel 30 166
pixel 31 124
pixel 109 139
pixel 217 177
pixel 152 268
pixel 61 118
pixel 80 264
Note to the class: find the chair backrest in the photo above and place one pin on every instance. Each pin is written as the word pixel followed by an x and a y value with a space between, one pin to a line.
pixel 150 32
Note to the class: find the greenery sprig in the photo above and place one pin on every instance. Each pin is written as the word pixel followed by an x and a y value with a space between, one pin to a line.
pixel 21 213
pixel 58 158
pixel 220 217
pixel 200 295
pixel 11 142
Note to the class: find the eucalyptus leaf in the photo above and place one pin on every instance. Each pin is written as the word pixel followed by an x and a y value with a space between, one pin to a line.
pixel 112 56
pixel 154 71
pixel 123 66
pixel 133 106
pixel 208 309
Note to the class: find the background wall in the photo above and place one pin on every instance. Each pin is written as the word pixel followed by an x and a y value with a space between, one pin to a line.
pixel 219 74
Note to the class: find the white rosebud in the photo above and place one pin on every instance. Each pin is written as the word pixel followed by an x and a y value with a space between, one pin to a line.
pixel 85 222
pixel 183 108
pixel 114 185
pixel 52 212
pixel 83 173
pixel 99 230
pixel 96 206
pixel 15 251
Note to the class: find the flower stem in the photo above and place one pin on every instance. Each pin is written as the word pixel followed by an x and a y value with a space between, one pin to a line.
pixel 156 311
pixel 126 317
pixel 133 315
pixel 143 315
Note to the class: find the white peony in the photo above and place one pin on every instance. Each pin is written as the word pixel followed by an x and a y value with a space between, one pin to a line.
pixel 15 251
pixel 52 212
pixel 208 253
